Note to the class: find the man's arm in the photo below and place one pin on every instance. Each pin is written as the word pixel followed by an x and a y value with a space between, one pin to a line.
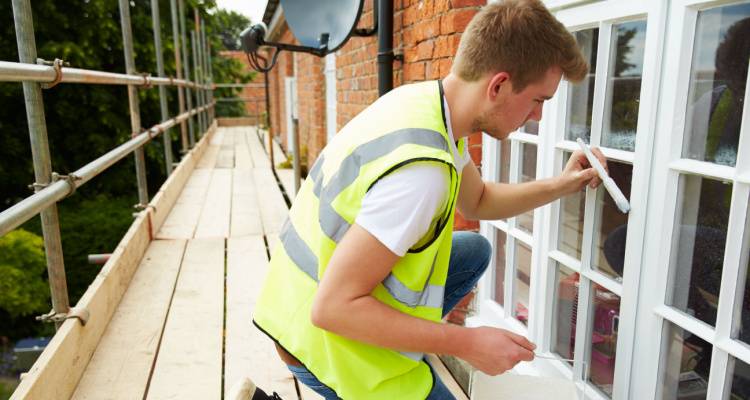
pixel 343 305
pixel 481 200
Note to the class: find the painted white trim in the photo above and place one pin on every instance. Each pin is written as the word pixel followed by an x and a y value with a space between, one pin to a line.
pixel 330 82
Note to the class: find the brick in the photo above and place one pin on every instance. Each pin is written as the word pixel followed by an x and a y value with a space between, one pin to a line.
pixel 476 153
pixel 424 50
pixel 442 47
pixel 467 3
pixel 475 139
pixel 431 70
pixel 424 9
pixel 414 71
pixel 410 16
pixel 456 20
pixel 444 66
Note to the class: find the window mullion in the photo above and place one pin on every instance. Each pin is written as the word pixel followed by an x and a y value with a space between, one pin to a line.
pixel 719 382
pixel 600 81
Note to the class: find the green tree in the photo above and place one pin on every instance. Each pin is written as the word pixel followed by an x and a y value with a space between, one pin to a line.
pixel 22 266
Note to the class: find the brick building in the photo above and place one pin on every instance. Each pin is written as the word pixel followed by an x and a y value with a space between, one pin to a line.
pixel 328 92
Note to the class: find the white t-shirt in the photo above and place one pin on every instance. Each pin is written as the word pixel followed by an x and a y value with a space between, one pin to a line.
pixel 399 209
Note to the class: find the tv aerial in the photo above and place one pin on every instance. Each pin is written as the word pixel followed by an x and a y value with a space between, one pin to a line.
pixel 321 27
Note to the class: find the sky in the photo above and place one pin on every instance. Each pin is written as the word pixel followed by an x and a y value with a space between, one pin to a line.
pixel 250 8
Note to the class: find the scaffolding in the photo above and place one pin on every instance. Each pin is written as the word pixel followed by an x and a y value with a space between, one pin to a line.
pixel 50 187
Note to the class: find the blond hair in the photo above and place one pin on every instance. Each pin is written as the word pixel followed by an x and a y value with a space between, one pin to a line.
pixel 520 37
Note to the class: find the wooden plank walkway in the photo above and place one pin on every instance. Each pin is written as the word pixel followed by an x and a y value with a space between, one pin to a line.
pixel 182 328
pixel 185 339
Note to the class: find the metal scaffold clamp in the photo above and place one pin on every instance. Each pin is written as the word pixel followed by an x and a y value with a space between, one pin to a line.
pixel 147 84
pixel 81 313
pixel 57 65
pixel 70 179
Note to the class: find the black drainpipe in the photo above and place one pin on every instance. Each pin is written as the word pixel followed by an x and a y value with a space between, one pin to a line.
pixel 385 46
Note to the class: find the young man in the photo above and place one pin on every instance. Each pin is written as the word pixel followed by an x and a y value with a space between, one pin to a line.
pixel 368 263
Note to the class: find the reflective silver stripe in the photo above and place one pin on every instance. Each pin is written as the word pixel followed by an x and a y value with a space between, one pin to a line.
pixel 414 356
pixel 299 251
pixel 432 296
pixel 332 224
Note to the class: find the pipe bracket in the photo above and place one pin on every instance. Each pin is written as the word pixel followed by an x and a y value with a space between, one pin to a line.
pixel 81 313
pixel 57 64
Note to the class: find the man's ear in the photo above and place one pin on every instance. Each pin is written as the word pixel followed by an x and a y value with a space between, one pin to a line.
pixel 496 83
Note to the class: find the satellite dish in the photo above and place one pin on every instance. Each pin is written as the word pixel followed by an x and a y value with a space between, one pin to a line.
pixel 322 23
pixel 321 27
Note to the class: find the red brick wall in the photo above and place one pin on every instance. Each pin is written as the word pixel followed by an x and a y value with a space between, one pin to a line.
pixel 426 33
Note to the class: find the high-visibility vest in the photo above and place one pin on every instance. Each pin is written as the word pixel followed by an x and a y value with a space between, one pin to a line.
pixel 405 126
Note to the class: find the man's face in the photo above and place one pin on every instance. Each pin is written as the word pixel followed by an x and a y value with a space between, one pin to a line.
pixel 508 111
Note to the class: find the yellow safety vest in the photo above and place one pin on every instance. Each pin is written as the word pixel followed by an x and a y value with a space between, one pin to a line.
pixel 405 126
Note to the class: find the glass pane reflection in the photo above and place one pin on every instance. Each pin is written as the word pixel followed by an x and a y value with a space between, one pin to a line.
pixel 570 236
pixel 624 85
pixel 740 375
pixel 565 311
pixel 685 364
pixel 604 339
pixel 523 280
pixel 703 215
pixel 500 239
pixel 718 76
pixel 581 95
pixel 611 225
pixel 528 174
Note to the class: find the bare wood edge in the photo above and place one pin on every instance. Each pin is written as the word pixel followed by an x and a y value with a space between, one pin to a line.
pixel 58 369
pixel 446 377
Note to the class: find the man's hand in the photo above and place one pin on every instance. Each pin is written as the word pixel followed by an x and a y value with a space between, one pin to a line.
pixel 578 172
pixel 494 351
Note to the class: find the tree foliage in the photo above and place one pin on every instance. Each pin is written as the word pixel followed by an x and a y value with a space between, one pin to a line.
pixel 23 290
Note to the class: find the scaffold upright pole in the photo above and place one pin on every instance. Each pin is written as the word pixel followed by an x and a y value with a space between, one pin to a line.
pixel 196 76
pixel 32 91
pixel 167 136
pixel 186 69
pixel 178 72
pixel 135 114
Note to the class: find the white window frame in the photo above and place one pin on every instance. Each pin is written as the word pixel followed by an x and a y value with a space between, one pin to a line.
pixel 654 314
pixel 330 76
pixel 550 147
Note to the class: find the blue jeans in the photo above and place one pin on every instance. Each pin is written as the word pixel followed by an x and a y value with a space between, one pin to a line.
pixel 470 255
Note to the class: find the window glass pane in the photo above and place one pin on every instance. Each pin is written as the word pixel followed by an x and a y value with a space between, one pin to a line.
pixel 500 239
pixel 565 311
pixel 570 237
pixel 610 224
pixel 717 84
pixel 604 339
pixel 740 380
pixel 686 360
pixel 531 127
pixel 624 85
pixel 523 279
pixel 581 95
pixel 698 254
pixel 528 174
